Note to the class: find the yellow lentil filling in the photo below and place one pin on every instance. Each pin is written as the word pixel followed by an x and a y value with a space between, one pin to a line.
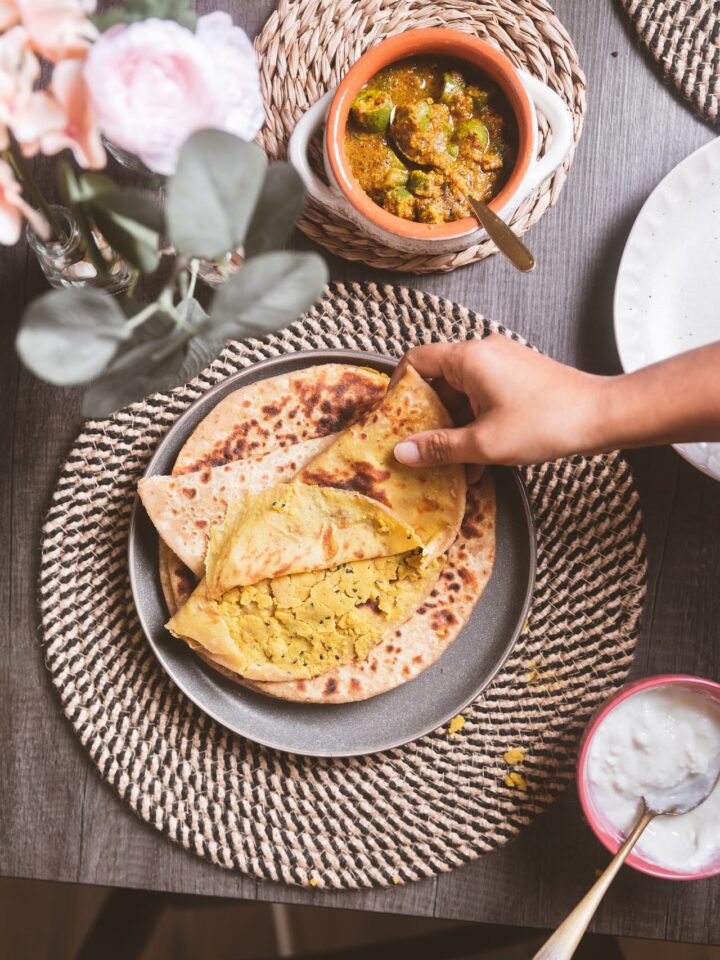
pixel 309 623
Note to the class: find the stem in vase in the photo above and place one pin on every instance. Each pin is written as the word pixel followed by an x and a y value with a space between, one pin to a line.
pixel 22 171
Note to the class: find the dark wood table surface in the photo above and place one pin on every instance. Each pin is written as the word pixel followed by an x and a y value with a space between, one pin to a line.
pixel 58 821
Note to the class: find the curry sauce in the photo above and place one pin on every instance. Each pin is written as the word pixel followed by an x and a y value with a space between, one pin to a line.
pixel 425 133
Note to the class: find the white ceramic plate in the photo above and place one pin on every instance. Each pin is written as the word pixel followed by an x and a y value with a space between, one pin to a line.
pixel 667 296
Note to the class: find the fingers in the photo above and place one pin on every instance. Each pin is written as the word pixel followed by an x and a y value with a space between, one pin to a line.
pixel 431 360
pixel 435 447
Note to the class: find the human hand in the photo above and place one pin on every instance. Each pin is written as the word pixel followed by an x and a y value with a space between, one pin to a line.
pixel 512 405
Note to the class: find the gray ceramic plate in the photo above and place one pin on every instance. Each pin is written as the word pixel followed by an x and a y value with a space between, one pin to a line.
pixel 393 718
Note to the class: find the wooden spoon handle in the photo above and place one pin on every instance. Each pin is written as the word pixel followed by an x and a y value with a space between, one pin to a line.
pixel 563 943
pixel 503 237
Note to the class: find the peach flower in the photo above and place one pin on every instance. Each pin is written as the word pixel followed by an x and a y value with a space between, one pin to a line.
pixel 78 129
pixel 13 208
pixel 57 28
pixel 153 83
pixel 9 14
pixel 26 112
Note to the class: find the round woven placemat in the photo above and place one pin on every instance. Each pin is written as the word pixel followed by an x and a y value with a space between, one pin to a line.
pixel 308 45
pixel 683 37
pixel 367 821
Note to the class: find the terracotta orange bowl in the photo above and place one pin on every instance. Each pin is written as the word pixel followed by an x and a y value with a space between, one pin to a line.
pixel 345 194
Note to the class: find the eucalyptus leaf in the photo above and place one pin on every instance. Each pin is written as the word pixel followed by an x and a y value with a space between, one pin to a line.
pixel 266 293
pixel 281 202
pixel 212 195
pixel 131 224
pixel 69 336
pixel 93 185
pixel 151 366
pixel 134 10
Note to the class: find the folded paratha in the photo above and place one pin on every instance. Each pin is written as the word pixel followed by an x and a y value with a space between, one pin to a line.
pixel 294 528
pixel 413 635
pixel 184 509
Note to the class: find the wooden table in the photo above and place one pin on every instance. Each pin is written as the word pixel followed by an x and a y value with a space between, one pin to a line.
pixel 58 821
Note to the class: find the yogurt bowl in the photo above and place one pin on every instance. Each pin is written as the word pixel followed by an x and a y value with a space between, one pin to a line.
pixel 344 196
pixel 686 749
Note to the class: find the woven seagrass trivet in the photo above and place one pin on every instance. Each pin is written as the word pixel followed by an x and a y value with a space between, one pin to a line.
pixel 367 821
pixel 307 46
pixel 683 37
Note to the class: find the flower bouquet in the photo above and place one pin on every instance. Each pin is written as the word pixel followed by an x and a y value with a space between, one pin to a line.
pixel 179 96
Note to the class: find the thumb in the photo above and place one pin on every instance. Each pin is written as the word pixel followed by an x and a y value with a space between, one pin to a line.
pixel 436 447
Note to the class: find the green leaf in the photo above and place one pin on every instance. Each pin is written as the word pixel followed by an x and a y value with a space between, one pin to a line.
pixel 212 195
pixel 266 293
pixel 280 204
pixel 131 224
pixel 151 366
pixel 134 10
pixel 68 336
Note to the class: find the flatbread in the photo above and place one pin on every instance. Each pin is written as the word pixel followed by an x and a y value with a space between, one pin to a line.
pixel 185 508
pixel 431 500
pixel 410 648
pixel 281 411
pixel 418 643
pixel 295 626
pixel 295 528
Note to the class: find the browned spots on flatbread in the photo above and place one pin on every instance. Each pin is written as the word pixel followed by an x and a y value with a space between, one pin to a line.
pixel 243 439
pixel 205 475
pixel 302 686
pixel 354 684
pixel 434 592
pixel 184 582
pixel 423 609
pixel 467 577
pixel 328 541
pixel 448 575
pixel 201 524
pixel 330 686
pixel 341 402
pixel 362 477
pixel 189 492
pixel 474 524
pixel 418 658
pixel 389 648
pixel 454 586
pixel 406 671
pixel 273 409
pixel 374 666
pixel 442 620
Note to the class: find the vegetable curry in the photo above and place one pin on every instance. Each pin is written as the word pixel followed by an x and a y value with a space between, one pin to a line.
pixel 425 133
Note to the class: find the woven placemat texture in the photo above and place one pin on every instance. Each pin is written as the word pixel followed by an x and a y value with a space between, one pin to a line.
pixel 307 46
pixel 683 37
pixel 369 821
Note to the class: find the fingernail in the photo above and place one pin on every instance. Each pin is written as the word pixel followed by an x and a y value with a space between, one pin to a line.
pixel 407 452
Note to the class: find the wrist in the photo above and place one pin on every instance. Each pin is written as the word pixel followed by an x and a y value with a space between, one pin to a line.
pixel 597 428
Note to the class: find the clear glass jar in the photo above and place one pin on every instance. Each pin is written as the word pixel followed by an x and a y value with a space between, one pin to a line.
pixel 66 263
pixel 128 160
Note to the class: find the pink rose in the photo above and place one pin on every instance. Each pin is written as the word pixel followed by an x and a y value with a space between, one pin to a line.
pixel 153 83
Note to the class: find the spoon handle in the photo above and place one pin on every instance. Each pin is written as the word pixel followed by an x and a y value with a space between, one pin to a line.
pixel 563 943
pixel 503 237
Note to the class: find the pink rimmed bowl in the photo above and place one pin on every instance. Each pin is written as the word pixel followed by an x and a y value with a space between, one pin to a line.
pixel 606 833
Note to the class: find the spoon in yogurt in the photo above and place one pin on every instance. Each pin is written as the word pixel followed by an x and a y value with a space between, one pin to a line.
pixel 563 943
pixel 429 150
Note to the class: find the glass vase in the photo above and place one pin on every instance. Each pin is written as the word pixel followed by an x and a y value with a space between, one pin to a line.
pixel 66 263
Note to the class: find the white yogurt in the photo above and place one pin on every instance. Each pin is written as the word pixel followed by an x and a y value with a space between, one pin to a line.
pixel 662 744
